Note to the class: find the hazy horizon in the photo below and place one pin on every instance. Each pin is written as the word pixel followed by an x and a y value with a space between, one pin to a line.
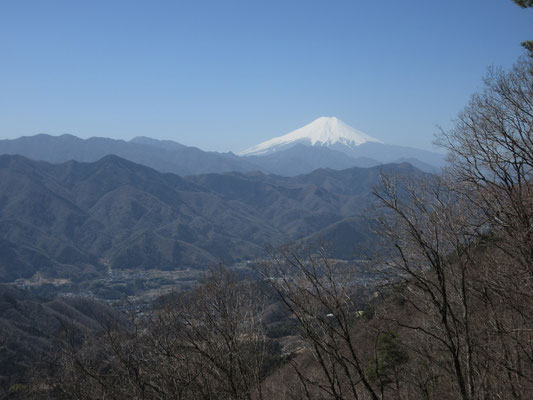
pixel 225 77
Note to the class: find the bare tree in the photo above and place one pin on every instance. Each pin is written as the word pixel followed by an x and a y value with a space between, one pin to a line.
pixel 207 343
pixel 220 325
pixel 458 250
pixel 490 151
pixel 319 292
pixel 463 244
pixel 432 252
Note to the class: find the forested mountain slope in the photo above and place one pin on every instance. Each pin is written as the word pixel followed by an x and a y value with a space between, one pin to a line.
pixel 71 219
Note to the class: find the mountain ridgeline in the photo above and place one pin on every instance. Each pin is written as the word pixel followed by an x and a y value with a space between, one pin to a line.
pixel 72 220
pixel 162 155
pixel 324 143
pixel 95 205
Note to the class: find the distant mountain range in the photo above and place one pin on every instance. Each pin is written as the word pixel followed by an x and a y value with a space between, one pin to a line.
pixel 325 143
pixel 162 155
pixel 71 207
pixel 334 135
pixel 75 219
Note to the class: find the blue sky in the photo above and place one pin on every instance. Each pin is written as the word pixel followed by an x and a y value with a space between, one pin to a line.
pixel 225 75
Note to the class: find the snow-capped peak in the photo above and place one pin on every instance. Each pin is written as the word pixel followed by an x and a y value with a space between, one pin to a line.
pixel 324 131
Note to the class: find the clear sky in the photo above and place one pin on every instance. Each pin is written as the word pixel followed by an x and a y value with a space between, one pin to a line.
pixel 225 75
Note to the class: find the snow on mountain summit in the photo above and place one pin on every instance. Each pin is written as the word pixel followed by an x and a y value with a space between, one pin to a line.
pixel 324 131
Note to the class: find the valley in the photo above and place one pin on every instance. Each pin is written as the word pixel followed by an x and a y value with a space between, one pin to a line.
pixel 76 221
pixel 112 229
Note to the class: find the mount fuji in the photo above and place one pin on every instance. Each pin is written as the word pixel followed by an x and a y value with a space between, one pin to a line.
pixel 323 131
pixel 328 142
